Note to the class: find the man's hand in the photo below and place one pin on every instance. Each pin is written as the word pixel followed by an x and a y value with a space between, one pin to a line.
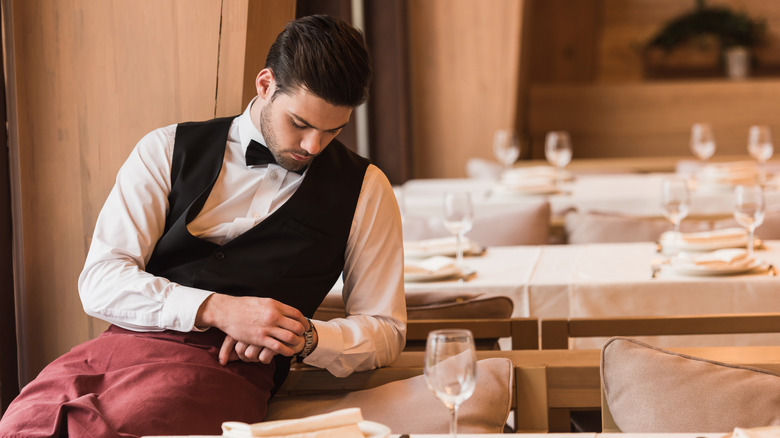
pixel 257 328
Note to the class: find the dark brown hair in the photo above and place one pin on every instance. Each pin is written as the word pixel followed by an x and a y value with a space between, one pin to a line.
pixel 324 55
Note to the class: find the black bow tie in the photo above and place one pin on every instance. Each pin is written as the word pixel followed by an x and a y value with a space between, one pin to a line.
pixel 257 153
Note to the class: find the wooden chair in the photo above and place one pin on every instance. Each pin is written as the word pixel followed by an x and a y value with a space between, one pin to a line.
pixel 487 316
pixel 557 332
pixel 524 332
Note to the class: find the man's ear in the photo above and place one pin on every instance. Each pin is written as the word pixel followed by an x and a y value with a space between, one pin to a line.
pixel 265 83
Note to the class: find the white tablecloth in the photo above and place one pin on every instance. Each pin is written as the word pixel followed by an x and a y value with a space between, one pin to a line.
pixel 562 281
pixel 504 270
pixel 578 281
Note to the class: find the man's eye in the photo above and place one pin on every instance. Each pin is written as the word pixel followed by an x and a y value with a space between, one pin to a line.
pixel 297 126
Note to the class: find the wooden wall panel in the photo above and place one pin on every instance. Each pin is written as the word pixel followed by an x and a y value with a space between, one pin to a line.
pixel 249 27
pixel 90 78
pixel 652 119
pixel 464 60
pixel 563 41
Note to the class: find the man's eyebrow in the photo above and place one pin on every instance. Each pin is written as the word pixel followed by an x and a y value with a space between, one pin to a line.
pixel 303 121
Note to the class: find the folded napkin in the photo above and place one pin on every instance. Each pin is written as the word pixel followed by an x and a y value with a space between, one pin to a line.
pixel 520 174
pixel 756 432
pixel 432 265
pixel 732 257
pixel 715 236
pixel 337 424
pixel 439 246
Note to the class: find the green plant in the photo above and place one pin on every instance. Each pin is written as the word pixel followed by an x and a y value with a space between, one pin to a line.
pixel 729 27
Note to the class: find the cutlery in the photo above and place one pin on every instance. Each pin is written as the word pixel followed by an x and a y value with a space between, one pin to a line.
pixel 655 268
pixel 466 276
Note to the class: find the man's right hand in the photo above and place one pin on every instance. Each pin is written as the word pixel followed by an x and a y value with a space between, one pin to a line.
pixel 257 328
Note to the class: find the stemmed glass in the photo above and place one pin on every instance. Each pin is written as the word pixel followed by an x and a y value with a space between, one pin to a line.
pixel 676 199
pixel 451 369
pixel 458 218
pixel 749 210
pixel 506 147
pixel 760 145
pixel 702 141
pixel 557 150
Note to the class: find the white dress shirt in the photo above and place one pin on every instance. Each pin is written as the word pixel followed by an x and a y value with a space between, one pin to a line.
pixel 114 286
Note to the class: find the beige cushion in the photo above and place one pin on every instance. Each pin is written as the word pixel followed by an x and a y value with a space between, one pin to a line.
pixel 433 305
pixel 596 227
pixel 650 390
pixel 408 406
pixel 523 224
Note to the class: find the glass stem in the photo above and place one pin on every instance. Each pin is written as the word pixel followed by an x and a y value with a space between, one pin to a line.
pixel 454 422
pixel 751 230
pixel 459 246
pixel 677 227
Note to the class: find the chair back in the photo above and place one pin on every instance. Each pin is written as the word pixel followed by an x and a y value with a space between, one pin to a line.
pixel 603 227
pixel 524 332
pixel 526 223
pixel 487 315
pixel 556 333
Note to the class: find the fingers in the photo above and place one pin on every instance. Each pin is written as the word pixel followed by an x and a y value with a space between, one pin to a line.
pixel 293 320
pixel 266 356
pixel 226 350
pixel 261 322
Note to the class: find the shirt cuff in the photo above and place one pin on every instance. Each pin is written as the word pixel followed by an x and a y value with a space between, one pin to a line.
pixel 330 344
pixel 181 307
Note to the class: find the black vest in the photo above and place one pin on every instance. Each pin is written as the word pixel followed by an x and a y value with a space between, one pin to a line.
pixel 295 255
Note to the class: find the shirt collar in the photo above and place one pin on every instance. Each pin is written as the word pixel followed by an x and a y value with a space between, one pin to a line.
pixel 247 131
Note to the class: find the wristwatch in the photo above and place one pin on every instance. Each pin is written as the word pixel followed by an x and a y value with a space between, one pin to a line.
pixel 308 341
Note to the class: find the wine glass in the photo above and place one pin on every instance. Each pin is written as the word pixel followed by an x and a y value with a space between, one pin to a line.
pixel 451 369
pixel 506 147
pixel 760 145
pixel 557 150
pixel 749 210
pixel 702 141
pixel 676 199
pixel 458 218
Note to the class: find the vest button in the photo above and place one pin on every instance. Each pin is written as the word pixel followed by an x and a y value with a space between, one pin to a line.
pixel 219 256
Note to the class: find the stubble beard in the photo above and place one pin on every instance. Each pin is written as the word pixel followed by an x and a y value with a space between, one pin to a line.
pixel 266 128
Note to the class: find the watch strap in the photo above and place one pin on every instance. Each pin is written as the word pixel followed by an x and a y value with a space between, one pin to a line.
pixel 308 340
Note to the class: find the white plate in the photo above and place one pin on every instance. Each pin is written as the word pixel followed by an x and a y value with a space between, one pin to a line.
pixel 374 430
pixel 450 271
pixel 691 269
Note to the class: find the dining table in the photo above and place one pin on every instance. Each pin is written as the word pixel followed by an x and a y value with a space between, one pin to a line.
pixel 616 280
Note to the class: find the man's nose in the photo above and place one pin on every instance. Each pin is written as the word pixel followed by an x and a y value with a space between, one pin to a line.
pixel 312 143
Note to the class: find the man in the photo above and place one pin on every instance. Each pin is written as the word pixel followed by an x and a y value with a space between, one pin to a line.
pixel 217 243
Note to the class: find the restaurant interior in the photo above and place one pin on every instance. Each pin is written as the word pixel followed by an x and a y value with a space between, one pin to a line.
pixel 587 186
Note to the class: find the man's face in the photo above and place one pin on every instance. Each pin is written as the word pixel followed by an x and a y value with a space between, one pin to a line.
pixel 297 126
